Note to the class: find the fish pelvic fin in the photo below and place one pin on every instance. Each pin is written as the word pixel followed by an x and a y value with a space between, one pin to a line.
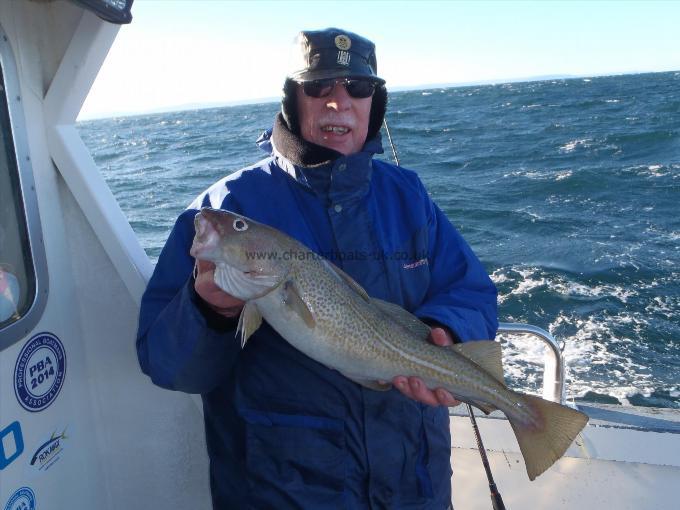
pixel 486 408
pixel 485 353
pixel 293 300
pixel 370 383
pixel 548 437
pixel 248 322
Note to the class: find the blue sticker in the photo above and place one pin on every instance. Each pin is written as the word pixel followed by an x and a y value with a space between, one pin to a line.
pixel 7 457
pixel 22 499
pixel 39 372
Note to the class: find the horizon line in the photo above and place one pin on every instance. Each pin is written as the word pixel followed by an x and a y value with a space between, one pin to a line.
pixel 403 88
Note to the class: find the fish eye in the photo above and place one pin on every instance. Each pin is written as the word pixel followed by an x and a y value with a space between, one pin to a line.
pixel 240 225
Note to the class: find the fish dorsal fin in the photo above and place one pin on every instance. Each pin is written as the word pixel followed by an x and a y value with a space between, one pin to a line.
pixel 486 353
pixel 348 280
pixel 403 317
pixel 293 300
pixel 248 322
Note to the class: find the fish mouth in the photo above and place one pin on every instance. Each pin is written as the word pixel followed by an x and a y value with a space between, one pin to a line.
pixel 206 240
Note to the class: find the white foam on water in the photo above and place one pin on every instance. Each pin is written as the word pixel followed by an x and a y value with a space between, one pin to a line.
pixel 668 306
pixel 531 278
pixel 573 144
pixel 568 288
pixel 612 100
pixel 527 282
pixel 653 170
pixel 526 210
pixel 599 358
pixel 598 361
pixel 537 175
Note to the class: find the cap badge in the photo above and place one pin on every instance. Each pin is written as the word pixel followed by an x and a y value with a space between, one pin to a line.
pixel 343 58
pixel 342 42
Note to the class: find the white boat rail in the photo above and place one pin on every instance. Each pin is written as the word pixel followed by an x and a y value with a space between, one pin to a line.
pixel 553 366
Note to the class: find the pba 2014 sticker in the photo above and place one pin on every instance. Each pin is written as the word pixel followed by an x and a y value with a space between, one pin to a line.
pixel 39 372
pixel 22 499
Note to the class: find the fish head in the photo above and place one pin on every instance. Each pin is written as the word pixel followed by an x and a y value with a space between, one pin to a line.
pixel 246 253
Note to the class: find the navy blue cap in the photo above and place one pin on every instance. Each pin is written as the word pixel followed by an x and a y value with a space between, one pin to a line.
pixel 333 53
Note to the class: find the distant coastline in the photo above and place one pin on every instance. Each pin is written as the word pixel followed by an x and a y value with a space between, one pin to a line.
pixel 424 87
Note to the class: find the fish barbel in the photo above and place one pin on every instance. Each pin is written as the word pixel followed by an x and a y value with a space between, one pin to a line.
pixel 324 313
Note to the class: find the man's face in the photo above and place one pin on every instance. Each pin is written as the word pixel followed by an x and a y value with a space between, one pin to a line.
pixel 337 121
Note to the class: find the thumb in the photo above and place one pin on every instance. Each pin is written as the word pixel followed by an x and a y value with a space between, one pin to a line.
pixel 441 337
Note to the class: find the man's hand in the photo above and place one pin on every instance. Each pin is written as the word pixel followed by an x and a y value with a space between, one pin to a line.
pixel 413 387
pixel 216 298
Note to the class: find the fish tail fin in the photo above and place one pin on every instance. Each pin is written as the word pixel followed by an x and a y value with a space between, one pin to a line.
pixel 548 437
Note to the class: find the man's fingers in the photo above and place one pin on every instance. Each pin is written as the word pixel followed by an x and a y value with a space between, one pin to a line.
pixel 413 387
pixel 220 301
pixel 441 337
pixel 421 393
pixel 445 398
pixel 203 266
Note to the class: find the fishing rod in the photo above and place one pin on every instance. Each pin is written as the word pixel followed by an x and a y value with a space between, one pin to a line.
pixel 496 499
pixel 389 137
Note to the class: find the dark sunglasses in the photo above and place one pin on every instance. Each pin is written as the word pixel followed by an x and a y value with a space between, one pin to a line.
pixel 358 88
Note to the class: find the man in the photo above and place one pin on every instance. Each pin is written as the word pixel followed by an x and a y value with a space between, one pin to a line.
pixel 282 430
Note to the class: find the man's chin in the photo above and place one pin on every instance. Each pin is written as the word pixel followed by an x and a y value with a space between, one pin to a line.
pixel 342 146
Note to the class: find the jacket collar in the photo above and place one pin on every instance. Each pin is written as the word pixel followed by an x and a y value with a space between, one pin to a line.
pixel 349 176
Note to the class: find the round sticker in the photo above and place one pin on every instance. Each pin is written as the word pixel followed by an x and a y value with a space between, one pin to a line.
pixel 22 499
pixel 39 372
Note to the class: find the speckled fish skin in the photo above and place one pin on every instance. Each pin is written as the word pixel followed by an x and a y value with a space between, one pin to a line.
pixel 326 315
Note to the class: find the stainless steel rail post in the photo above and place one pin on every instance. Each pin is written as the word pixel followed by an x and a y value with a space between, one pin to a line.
pixel 553 368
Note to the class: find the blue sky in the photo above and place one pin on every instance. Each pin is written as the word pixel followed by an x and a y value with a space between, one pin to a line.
pixel 186 53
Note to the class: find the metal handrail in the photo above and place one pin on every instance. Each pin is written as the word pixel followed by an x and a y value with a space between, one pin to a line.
pixel 553 367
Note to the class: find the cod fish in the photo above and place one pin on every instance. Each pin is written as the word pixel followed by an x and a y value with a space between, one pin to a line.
pixel 324 313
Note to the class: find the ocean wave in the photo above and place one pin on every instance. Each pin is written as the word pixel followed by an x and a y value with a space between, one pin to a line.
pixel 573 144
pixel 518 281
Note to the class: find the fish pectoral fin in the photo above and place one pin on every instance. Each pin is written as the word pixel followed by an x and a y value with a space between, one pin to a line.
pixel 293 300
pixel 403 317
pixel 348 280
pixel 371 384
pixel 485 353
pixel 248 322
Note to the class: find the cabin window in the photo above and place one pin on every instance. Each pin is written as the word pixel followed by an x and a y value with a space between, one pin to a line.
pixel 17 278
pixel 23 267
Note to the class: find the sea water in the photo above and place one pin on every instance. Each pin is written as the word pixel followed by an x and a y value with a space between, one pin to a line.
pixel 568 190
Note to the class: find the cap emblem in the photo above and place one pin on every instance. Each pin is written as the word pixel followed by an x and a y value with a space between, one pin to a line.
pixel 343 58
pixel 342 42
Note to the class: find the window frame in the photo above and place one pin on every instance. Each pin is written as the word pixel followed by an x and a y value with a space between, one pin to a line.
pixel 19 161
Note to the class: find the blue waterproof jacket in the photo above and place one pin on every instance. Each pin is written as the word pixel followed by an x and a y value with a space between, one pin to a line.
pixel 282 430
